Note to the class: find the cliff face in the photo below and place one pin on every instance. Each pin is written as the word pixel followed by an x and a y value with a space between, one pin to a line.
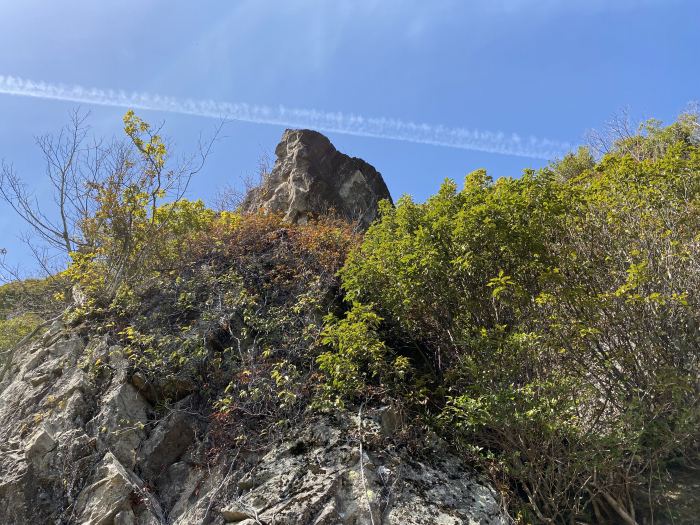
pixel 86 437
pixel 84 448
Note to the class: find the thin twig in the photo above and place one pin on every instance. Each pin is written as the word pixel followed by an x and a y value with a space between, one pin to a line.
pixel 220 486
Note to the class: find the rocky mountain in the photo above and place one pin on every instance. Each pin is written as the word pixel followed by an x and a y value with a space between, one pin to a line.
pixel 87 439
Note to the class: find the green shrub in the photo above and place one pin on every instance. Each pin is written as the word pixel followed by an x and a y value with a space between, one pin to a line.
pixel 358 360
pixel 557 315
pixel 13 330
pixel 24 305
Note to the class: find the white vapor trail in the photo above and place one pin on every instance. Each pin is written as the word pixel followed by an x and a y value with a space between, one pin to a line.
pixel 378 127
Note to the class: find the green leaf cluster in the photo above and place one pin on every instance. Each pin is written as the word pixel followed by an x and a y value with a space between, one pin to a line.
pixel 556 316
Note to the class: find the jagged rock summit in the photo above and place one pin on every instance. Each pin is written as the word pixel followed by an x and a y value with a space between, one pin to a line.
pixel 310 177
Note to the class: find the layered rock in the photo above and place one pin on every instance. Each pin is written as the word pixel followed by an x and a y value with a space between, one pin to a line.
pixel 310 177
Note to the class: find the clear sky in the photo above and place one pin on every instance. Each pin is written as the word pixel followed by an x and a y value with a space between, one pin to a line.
pixel 549 69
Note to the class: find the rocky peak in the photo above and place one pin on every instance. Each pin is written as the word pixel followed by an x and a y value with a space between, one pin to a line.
pixel 310 177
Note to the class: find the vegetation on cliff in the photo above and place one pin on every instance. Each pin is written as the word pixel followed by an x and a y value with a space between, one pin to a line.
pixel 546 325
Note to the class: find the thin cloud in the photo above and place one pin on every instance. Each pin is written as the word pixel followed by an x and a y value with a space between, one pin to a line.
pixel 349 124
pixel 557 6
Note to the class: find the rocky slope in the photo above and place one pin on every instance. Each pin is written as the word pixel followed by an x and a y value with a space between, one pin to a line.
pixel 85 439
pixel 81 448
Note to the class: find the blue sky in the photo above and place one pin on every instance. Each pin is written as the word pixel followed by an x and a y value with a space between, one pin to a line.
pixel 537 68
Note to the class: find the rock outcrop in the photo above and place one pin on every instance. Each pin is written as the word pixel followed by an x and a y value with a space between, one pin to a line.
pixel 310 177
pixel 86 446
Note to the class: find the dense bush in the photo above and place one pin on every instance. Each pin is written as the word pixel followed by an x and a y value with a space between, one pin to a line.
pixel 42 297
pixel 550 321
pixel 13 330
pixel 24 305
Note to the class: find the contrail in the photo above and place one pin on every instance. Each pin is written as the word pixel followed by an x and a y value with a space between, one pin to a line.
pixel 350 124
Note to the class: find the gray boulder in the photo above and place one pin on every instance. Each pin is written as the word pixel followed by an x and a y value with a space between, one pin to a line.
pixel 310 178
